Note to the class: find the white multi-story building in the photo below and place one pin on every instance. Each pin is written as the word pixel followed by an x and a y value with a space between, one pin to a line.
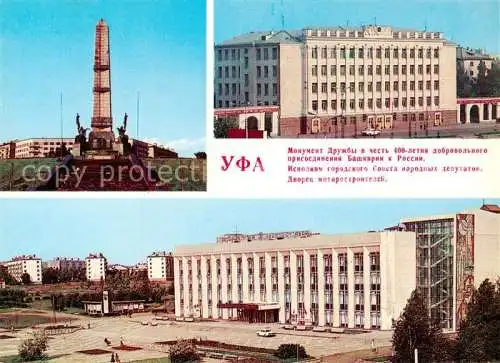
pixel 160 266
pixel 30 264
pixel 340 80
pixel 40 147
pixel 357 280
pixel 95 267
pixel 341 281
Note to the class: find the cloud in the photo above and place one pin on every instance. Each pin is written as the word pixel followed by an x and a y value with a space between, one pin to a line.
pixel 182 146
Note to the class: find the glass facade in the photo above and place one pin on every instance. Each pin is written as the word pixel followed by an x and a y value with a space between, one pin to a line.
pixel 435 267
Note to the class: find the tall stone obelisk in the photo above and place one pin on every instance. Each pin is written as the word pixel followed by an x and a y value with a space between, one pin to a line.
pixel 101 136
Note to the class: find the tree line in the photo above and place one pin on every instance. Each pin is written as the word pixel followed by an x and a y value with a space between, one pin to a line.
pixel 478 338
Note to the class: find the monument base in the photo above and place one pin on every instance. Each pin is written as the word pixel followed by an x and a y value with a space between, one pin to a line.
pixel 101 140
pixel 101 155
pixel 76 149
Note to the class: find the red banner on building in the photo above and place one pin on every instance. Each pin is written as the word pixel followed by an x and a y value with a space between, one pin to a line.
pixel 244 134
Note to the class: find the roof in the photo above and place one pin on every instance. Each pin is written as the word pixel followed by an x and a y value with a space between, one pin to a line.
pixel 365 239
pixel 472 54
pixel 298 36
pixel 265 37
pixel 493 208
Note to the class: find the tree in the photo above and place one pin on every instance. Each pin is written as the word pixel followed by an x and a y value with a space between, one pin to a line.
pixel 26 278
pixel 6 277
pixel 222 125
pixel 33 348
pixel 415 331
pixel 287 351
pixel 479 333
pixel 183 351
pixel 200 155
pixel 493 80
pixel 50 275
pixel 464 83
pixel 482 88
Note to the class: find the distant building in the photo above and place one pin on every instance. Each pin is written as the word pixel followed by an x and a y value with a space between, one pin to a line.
pixel 66 264
pixel 30 264
pixel 40 147
pixel 160 266
pixel 95 267
pixel 238 237
pixel 159 152
pixel 469 60
pixel 2 284
pixel 107 306
pixel 8 150
pixel 140 148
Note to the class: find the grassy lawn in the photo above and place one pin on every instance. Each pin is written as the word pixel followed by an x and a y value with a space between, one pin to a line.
pixel 19 174
pixel 17 359
pixel 7 310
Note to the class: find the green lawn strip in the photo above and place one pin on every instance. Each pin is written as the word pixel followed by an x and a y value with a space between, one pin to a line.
pixel 17 359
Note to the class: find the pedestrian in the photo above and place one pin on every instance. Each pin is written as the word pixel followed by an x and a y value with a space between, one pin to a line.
pixel 121 341
pixel 117 359
pixel 112 357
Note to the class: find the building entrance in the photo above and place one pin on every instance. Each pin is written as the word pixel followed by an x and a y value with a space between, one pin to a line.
pixel 253 313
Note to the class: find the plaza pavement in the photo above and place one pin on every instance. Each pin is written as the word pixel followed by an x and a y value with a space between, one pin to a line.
pixel 138 335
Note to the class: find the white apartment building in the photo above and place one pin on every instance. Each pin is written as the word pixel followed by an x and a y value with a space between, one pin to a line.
pixel 95 267
pixel 340 80
pixel 160 266
pixel 30 264
pixel 40 147
pixel 357 280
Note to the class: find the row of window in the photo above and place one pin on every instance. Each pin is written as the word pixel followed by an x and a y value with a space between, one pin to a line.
pixel 239 103
pixel 378 70
pixel 262 89
pixel 378 86
pixel 352 52
pixel 378 103
pixel 264 53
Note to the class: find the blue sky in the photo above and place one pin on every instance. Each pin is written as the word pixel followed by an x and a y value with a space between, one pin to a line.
pixel 157 48
pixel 473 23
pixel 126 231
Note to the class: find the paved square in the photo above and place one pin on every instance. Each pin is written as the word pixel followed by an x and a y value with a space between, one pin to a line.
pixel 134 333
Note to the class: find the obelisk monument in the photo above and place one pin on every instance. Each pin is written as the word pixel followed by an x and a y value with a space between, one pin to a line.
pixel 101 136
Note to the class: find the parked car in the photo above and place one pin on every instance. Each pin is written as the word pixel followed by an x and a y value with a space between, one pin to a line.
pixel 266 332
pixel 370 132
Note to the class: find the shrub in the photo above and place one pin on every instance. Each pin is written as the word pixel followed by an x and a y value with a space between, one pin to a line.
pixel 33 348
pixel 183 351
pixel 286 351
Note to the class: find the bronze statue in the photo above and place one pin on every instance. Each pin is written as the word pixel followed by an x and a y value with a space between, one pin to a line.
pixel 81 138
pixel 122 130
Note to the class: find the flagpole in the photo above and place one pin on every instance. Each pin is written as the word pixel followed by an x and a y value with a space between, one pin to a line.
pixel 61 120
pixel 137 111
